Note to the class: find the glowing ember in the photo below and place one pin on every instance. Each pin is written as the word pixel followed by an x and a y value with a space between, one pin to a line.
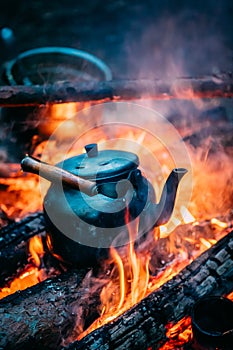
pixel 186 215
pixel 205 242
pixel 189 232
pixel 130 280
pixel 29 277
pixel 186 218
pixel 219 223
pixel 180 333
pixel 31 274
pixel 164 231
pixel 21 196
pixel 230 296
pixel 187 235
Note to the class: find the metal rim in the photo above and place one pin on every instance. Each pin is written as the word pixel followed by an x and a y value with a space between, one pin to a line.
pixel 198 306
pixel 60 50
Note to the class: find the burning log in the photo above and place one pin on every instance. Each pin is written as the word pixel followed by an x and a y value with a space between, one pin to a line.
pixel 13 244
pixel 183 88
pixel 36 312
pixel 41 316
pixel 145 324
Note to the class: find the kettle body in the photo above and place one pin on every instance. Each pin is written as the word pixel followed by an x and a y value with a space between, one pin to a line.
pixel 93 197
pixel 81 228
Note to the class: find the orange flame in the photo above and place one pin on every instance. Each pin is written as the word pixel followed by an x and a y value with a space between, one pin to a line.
pixel 186 215
pixel 130 279
pixel 31 274
pixel 218 223
pixel 119 263
pixel 28 278
pixel 180 333
pixel 36 250
pixel 186 218
pixel 230 296
pixel 133 282
pixel 129 285
pixel 17 198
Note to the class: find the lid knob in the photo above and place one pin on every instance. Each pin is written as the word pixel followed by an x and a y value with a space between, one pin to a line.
pixel 92 150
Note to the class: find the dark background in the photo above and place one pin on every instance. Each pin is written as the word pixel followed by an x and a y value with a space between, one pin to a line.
pixel 135 38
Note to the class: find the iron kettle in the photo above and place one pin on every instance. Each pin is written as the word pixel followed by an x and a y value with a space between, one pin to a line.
pixel 90 197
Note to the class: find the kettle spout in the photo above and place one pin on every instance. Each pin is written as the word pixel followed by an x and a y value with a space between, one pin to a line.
pixel 163 210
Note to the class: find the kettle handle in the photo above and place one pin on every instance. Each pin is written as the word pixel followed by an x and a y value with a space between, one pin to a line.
pixel 56 174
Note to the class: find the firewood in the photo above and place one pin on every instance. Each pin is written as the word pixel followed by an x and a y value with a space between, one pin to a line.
pixel 41 316
pixel 144 325
pixel 183 88
pixel 13 244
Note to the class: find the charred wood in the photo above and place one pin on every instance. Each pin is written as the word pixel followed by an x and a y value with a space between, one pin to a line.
pixel 41 316
pixel 219 136
pixel 13 244
pixel 179 88
pixel 145 324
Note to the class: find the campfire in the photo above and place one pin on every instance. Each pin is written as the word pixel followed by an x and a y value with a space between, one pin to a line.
pixel 140 297
pixel 116 191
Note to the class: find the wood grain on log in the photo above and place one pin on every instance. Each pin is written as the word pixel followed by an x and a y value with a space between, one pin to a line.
pixel 13 244
pixel 144 325
pixel 179 88
pixel 39 317
pixel 42 316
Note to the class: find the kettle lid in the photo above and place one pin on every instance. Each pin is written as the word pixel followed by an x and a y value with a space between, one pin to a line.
pixel 101 165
